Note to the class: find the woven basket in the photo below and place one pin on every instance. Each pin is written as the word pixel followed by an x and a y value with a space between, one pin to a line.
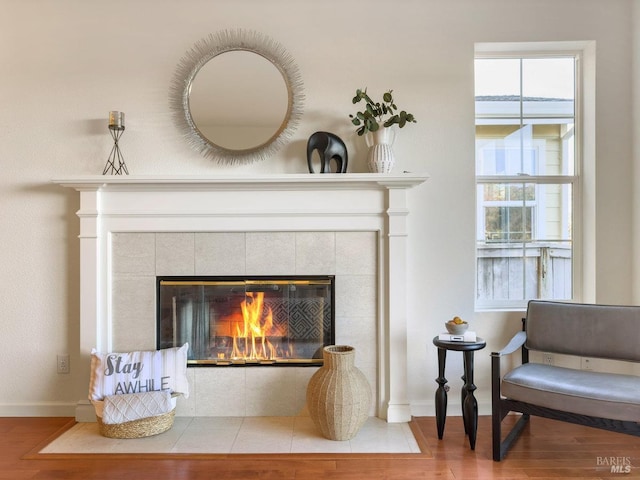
pixel 144 427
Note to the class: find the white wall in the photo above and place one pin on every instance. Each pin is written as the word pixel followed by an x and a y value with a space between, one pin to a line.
pixel 65 64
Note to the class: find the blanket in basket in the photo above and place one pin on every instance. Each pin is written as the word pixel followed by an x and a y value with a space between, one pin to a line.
pixel 134 406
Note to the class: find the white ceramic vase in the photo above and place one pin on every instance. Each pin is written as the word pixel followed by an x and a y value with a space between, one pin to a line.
pixel 380 156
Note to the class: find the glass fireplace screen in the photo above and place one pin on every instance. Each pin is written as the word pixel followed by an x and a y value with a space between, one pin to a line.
pixel 233 321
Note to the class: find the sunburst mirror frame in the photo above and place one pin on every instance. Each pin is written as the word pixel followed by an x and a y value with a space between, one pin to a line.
pixel 228 41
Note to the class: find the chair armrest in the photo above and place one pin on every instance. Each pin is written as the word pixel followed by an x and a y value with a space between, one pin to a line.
pixel 514 344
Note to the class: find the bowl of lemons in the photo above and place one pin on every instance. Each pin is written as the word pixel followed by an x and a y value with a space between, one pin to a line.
pixel 456 326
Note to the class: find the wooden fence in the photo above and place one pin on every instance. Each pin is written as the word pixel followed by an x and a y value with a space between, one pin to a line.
pixel 537 270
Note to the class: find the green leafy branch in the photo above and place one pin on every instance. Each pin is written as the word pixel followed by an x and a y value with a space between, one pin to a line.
pixel 374 113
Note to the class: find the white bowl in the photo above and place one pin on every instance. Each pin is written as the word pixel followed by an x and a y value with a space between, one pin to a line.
pixel 456 328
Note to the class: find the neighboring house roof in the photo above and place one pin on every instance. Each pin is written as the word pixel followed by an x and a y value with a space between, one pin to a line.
pixel 506 109
pixel 516 98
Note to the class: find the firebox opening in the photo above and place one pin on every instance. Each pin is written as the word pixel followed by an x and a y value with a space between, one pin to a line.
pixel 237 321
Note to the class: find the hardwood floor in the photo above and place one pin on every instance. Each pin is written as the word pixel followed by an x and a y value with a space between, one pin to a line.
pixel 547 449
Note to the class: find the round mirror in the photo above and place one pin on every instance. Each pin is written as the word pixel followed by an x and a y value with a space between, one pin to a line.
pixel 224 97
pixel 237 96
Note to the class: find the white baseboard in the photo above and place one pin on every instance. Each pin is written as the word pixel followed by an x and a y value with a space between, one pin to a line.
pixel 454 409
pixel 85 411
pixel 399 413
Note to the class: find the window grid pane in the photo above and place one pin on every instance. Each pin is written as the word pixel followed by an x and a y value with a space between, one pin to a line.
pixel 524 229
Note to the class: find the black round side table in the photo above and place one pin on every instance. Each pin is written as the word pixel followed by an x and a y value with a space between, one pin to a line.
pixel 468 400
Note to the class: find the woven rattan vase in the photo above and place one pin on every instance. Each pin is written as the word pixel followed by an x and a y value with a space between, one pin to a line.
pixel 338 394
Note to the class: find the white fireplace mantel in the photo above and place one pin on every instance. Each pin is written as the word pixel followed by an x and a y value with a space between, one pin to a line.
pixel 257 182
pixel 287 202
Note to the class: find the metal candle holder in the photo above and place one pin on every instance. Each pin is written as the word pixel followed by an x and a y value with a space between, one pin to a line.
pixel 116 128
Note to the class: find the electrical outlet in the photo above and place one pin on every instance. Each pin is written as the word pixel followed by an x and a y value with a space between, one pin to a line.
pixel 63 363
pixel 585 363
pixel 547 359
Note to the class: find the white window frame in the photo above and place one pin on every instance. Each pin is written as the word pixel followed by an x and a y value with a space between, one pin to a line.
pixel 545 50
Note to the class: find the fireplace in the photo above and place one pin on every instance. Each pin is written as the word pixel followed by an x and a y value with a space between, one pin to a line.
pixel 194 225
pixel 247 321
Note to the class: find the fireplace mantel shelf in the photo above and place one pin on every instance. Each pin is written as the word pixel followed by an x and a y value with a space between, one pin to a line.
pixel 254 182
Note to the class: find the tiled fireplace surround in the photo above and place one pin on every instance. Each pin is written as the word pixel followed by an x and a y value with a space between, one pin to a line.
pixel 352 226
pixel 246 391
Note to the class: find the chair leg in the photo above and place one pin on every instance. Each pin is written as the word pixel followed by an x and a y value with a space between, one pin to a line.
pixel 496 432
pixel 513 435
pixel 496 407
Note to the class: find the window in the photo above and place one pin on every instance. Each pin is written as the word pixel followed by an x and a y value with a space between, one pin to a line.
pixel 525 178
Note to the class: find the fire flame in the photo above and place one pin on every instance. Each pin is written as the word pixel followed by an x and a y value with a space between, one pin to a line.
pixel 250 340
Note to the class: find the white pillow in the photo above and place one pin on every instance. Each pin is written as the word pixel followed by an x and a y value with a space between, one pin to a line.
pixel 134 372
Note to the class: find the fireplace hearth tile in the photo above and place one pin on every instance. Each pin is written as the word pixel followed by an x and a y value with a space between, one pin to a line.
pixel 134 313
pixel 175 254
pixel 220 391
pixel 220 253
pixel 164 442
pixel 302 377
pixel 356 295
pixel 315 253
pixel 133 253
pixel 271 253
pixel 356 253
pixel 239 435
pixel 186 407
pixel 216 434
pixel 264 435
pixel 359 332
pixel 380 436
pixel 270 391
pixel 306 439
